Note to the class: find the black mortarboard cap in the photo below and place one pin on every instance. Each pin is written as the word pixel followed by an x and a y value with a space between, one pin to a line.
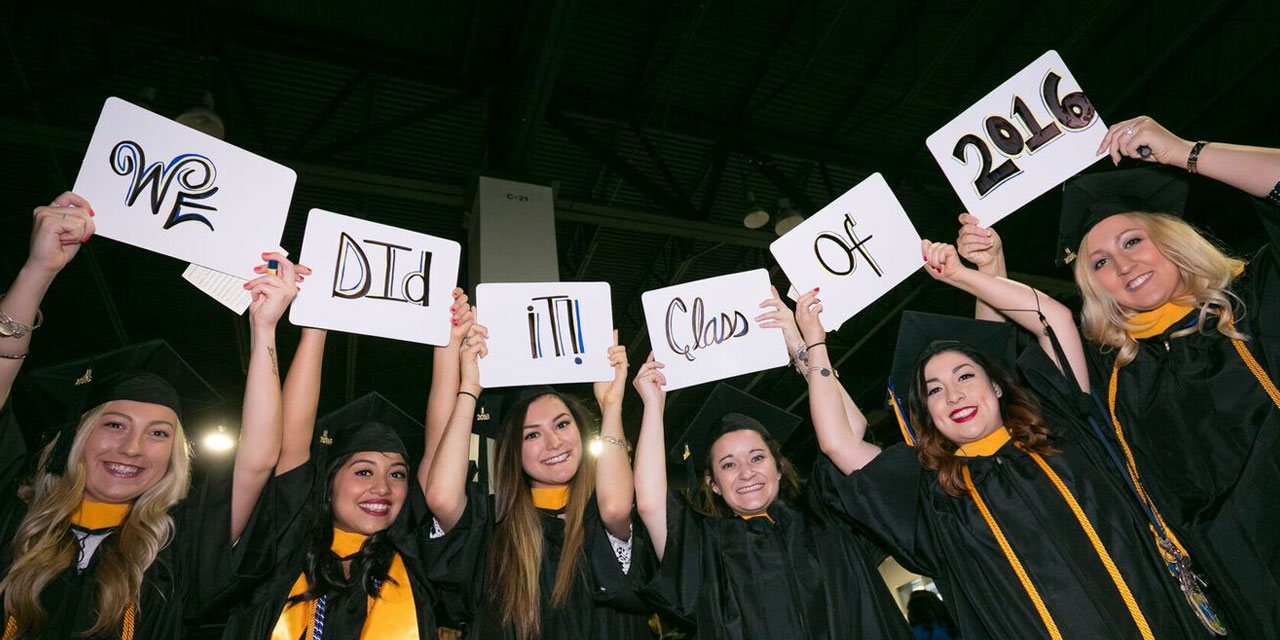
pixel 920 333
pixel 729 409
pixel 368 423
pixel 1088 199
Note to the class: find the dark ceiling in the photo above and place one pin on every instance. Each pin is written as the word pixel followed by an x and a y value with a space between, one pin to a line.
pixel 651 119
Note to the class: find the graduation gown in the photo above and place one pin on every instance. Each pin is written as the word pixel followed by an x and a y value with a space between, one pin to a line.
pixel 800 574
pixel 1205 438
pixel 194 570
pixel 602 603
pixel 946 537
pixel 289 534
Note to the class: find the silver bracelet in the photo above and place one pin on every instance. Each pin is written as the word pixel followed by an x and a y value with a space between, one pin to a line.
pixel 10 328
pixel 617 442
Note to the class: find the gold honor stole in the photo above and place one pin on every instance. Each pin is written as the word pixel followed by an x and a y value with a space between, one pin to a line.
pixel 391 616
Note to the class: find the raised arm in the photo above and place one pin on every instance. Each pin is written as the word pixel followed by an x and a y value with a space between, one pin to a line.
pixel 301 397
pixel 262 418
pixel 615 487
pixel 447 481
pixel 840 430
pixel 1254 170
pixel 983 248
pixel 1018 302
pixel 57 232
pixel 444 382
pixel 651 463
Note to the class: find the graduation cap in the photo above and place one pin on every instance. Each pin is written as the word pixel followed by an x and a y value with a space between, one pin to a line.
pixel 368 423
pixel 1089 199
pixel 146 372
pixel 728 409
pixel 924 333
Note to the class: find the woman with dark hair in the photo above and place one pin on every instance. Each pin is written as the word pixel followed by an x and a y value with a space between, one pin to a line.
pixel 999 494
pixel 751 555
pixel 548 555
pixel 107 540
pixel 347 517
pixel 1182 352
pixel 928 617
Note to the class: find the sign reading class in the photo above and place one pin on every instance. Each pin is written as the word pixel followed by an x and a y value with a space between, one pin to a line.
pixel 1026 137
pixel 854 250
pixel 705 330
pixel 375 279
pixel 545 332
pixel 166 187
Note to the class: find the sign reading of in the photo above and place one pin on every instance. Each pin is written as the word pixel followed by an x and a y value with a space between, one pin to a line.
pixel 545 332
pixel 854 250
pixel 166 187
pixel 375 279
pixel 1056 133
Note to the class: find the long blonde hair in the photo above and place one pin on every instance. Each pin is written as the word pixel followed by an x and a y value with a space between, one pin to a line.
pixel 1205 270
pixel 43 547
pixel 516 560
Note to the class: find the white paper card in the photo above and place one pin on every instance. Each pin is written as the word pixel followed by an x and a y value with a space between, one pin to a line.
pixel 545 332
pixel 228 290
pixel 705 330
pixel 1026 137
pixel 854 250
pixel 375 279
pixel 166 187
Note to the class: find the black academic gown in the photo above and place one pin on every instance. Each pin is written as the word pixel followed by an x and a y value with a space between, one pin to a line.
pixel 1206 439
pixel 289 534
pixel 193 571
pixel 805 575
pixel 935 534
pixel 602 603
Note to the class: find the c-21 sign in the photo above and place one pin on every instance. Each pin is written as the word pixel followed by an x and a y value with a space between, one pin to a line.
pixel 376 279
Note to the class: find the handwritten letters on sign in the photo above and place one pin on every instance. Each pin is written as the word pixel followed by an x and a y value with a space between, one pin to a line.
pixel 1026 137
pixel 165 187
pixel 376 279
pixel 545 332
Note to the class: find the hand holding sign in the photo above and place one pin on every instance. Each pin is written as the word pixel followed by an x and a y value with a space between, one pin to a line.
pixel 475 346
pixel 273 291
pixel 57 232
pixel 650 382
pixel 1144 139
pixel 980 246
pixel 609 393
pixel 1048 135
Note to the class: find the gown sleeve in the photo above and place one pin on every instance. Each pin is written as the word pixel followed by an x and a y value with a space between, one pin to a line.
pixel 887 498
pixel 613 561
pixel 459 560
pixel 674 584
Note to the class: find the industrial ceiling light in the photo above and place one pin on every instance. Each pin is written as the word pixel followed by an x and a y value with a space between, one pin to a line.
pixel 788 217
pixel 202 118
pixel 218 440
pixel 756 216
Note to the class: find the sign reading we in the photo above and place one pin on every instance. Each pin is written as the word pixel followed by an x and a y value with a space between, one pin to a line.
pixel 1043 129
pixel 545 332
pixel 375 279
pixel 854 250
pixel 166 187
pixel 705 330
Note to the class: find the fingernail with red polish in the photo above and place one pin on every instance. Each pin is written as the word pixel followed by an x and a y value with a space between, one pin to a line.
pixel 259 269
pixel 90 212
pixel 246 285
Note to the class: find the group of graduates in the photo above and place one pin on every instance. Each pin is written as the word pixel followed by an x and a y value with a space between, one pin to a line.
pixel 1109 480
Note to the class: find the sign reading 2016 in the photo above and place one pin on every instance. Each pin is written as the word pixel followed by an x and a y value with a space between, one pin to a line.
pixel 1029 135
pixel 386 281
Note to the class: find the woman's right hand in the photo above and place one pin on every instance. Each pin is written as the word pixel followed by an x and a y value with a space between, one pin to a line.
pixel 474 347
pixel 462 316
pixel 57 232
pixel 808 308
pixel 981 247
pixel 649 382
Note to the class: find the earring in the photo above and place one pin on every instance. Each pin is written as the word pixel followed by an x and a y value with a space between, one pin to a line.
pixel 999 392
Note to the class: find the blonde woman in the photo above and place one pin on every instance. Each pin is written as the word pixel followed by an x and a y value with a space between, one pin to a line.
pixel 548 555
pixel 105 542
pixel 1183 354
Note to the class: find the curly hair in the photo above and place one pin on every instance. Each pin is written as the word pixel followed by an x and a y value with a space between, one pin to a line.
pixel 1205 270
pixel 1019 409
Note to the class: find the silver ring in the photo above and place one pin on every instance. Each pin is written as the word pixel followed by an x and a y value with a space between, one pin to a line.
pixel 1128 131
pixel 466 341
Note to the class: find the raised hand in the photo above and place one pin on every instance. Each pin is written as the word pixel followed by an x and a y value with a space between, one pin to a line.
pixel 649 382
pixel 808 317
pixel 273 292
pixel 463 316
pixel 1125 138
pixel 610 393
pixel 57 232
pixel 474 347
pixel 981 247
pixel 780 317
pixel 941 261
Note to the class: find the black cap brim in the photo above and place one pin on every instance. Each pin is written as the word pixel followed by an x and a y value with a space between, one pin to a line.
pixel 369 423
pixel 729 409
pixel 1089 199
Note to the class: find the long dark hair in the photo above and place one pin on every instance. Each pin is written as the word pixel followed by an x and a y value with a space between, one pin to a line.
pixel 1019 409
pixel 323 570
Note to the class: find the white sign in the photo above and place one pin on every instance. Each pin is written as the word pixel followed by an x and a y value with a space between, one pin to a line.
pixel 375 279
pixel 854 250
pixel 227 290
pixel 166 187
pixel 545 332
pixel 705 330
pixel 1026 137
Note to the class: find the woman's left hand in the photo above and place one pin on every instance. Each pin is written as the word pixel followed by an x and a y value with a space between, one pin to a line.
pixel 1125 138
pixel 941 261
pixel 610 393
pixel 809 317
pixel 781 318
pixel 273 292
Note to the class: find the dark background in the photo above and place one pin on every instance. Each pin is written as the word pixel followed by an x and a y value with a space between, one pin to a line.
pixel 652 119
